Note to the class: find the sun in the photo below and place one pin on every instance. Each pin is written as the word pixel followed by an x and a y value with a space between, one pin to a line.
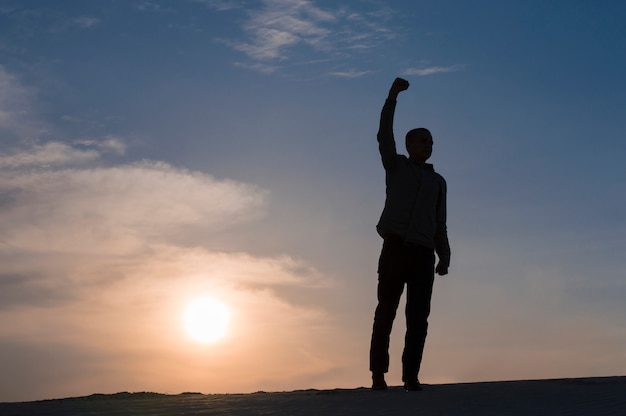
pixel 206 319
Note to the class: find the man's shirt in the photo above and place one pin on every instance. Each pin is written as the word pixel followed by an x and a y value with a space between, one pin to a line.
pixel 415 206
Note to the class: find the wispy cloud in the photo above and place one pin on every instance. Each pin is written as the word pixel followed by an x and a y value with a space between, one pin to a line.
pixel 432 70
pixel 55 154
pixel 46 155
pixel 49 178
pixel 109 144
pixel 149 6
pixel 34 21
pixel 221 4
pixel 86 22
pixel 349 74
pixel 281 24
pixel 277 30
pixel 257 66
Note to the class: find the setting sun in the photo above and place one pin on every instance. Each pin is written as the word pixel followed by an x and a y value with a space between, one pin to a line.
pixel 206 320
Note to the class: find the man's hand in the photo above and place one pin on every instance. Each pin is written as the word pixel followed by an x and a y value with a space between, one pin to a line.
pixel 398 85
pixel 441 269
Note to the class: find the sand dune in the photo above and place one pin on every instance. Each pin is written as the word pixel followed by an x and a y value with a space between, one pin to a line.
pixel 582 396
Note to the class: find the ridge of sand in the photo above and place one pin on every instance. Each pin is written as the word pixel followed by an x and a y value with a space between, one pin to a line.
pixel 604 396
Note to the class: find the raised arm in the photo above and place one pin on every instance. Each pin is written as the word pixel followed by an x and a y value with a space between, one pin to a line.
pixel 386 142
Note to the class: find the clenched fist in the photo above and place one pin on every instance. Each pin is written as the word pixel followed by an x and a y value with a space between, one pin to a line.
pixel 399 84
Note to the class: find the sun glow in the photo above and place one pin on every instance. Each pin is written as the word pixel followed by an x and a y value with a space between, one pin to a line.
pixel 206 320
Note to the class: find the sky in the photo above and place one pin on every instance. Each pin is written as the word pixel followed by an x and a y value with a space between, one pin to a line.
pixel 155 152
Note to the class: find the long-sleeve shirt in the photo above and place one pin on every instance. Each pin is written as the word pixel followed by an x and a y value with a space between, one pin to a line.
pixel 415 206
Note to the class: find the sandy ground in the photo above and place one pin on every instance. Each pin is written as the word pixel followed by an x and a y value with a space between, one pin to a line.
pixel 583 396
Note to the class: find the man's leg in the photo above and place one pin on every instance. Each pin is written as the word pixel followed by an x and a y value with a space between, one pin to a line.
pixel 390 288
pixel 389 294
pixel 419 292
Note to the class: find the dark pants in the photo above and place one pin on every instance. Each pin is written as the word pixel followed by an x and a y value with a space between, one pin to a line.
pixel 414 266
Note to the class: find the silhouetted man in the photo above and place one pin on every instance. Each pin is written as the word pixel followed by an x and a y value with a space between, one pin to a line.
pixel 413 226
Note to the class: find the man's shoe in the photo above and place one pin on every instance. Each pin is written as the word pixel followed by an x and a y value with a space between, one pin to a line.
pixel 413 386
pixel 378 381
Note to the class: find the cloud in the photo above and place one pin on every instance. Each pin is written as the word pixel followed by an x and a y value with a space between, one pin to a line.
pixel 268 44
pixel 101 260
pixel 221 5
pixel 47 154
pixel 62 154
pixel 32 21
pixel 86 22
pixel 281 24
pixel 149 6
pixel 28 289
pixel 118 203
pixel 259 67
pixel 108 144
pixel 19 122
pixel 432 70
pixel 277 30
pixel 349 74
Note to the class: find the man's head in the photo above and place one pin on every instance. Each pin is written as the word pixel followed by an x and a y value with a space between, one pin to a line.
pixel 419 144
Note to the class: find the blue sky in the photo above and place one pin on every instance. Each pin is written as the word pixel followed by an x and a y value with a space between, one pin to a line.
pixel 154 151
